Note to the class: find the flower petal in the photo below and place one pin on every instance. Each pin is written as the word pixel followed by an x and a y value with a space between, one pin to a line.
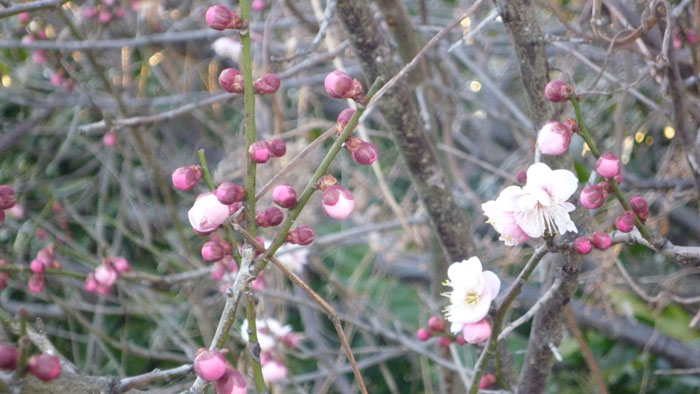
pixel 564 184
pixel 492 284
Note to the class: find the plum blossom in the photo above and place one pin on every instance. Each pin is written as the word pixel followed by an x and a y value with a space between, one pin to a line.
pixel 269 332
pixel 472 292
pixel 537 208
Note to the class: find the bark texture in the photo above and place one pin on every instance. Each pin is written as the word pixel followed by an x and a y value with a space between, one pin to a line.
pixel 428 176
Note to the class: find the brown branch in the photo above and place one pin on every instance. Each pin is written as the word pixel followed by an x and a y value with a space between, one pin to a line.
pixel 588 356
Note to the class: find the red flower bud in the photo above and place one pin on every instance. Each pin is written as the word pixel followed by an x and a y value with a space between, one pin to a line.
pixel 231 80
pixel 557 91
pixel 267 84
pixel 8 357
pixel 344 118
pixel 284 195
pixel 625 222
pixel 270 217
pixel 228 193
pixel 8 199
pixel 592 197
pixel 338 84
pixel 640 207
pixel 185 178
pixel 259 152
pixel 302 235
pixel 366 154
pixel 436 324
pixel 601 240
pixel 277 147
pixel 212 251
pixel 45 367
pixel 582 245
pixel 444 341
pixel 424 334
pixel 219 17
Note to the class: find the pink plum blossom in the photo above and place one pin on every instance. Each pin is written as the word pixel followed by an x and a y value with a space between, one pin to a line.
pixel 472 292
pixel 501 215
pixel 274 371
pixel 233 382
pixel 338 202
pixel 207 213
pixel 554 138
pixel 477 332
pixel 209 365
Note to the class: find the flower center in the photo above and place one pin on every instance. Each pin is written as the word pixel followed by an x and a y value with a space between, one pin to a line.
pixel 471 298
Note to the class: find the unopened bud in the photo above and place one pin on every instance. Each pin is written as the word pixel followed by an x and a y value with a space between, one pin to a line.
pixel 444 342
pixel 8 199
pixel 338 84
pixel 259 152
pixel 601 240
pixel 233 382
pixel 185 178
pixel 356 92
pixel 36 282
pixel 212 251
pixel 270 217
pixel 284 195
pixel 366 154
pixel 582 245
pixel 557 91
pixel 437 324
pixel 267 84
pixel 592 197
pixel 228 193
pixel 625 222
pixel 424 334
pixel 487 381
pixel 640 207
pixel 302 235
pixel 344 118
pixel 231 80
pixel 278 147
pixel 554 138
pixel 9 355
pixel 607 165
pixel 219 17
pixel 45 367
pixel 110 139
pixel 209 365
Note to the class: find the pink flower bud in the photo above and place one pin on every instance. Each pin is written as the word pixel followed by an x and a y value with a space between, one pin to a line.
pixel 277 147
pixel 338 202
pixel 24 18
pixel 592 197
pixel 487 381
pixel 36 282
pixel 212 251
pixel 8 357
pixel 618 178
pixel 228 193
pixel 209 365
pixel 601 240
pixel 640 207
pixel 607 165
pixel 267 84
pixel 219 18
pixel 259 152
pixel 284 195
pixel 231 80
pixel 105 274
pixel 46 255
pixel 557 91
pixel 121 264
pixel 625 222
pixel 460 340
pixel 554 138
pixel 270 217
pixel 8 199
pixel 605 185
pixel 45 367
pixel 258 5
pixel 233 382
pixel 90 284
pixel 90 12
pixel 218 272
pixel 36 266
pixel 104 16
pixel 521 176
pixel 366 154
pixel 444 341
pixel 424 334
pixel 302 235
pixel 185 178
pixel 436 324
pixel 229 263
pixel 582 245
pixel 110 139
pixel 207 213
pixel 274 371
pixel 477 332
pixel 259 283
pixel 344 118
pixel 338 84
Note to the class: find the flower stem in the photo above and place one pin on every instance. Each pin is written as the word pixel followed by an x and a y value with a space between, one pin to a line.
pixel 253 344
pixel 249 103
pixel 583 131
pixel 205 170
pixel 320 171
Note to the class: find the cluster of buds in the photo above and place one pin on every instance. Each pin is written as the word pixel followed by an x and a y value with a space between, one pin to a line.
pixel 105 275
pixel 44 259
pixel 45 367
pixel 337 201
pixel 210 365
pixel 231 80
pixel 470 333
pixel 8 200
pixel 599 240
pixel 340 85
pixel 261 151
pixel 105 12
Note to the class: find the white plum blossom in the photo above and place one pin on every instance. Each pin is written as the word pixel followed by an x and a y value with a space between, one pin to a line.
pixel 537 208
pixel 472 293
pixel 269 331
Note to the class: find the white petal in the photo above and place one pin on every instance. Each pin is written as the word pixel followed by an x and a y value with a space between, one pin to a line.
pixel 456 327
pixel 493 284
pixel 532 222
pixel 564 184
pixel 538 175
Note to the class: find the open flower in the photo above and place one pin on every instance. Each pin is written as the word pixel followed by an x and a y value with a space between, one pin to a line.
pixel 538 207
pixel 472 292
